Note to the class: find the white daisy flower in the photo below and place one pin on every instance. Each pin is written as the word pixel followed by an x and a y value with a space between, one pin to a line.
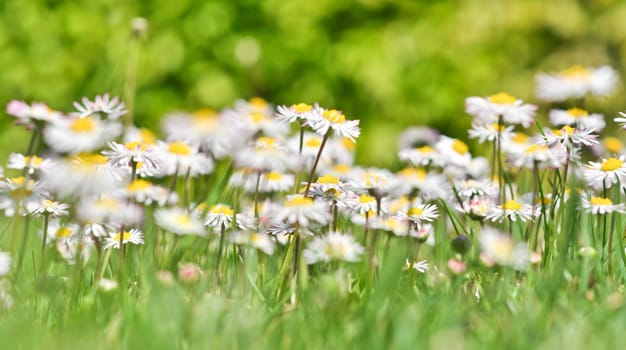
pixel 487 110
pixel 325 119
pixel 302 211
pixel 28 115
pixel 513 210
pixel 131 152
pixel 611 145
pixel 108 209
pixel 477 208
pixel 143 191
pixel 51 208
pixel 577 117
pixel 606 173
pixel 600 205
pixel 420 266
pixel 133 236
pixel 501 249
pixel 111 108
pixel 32 163
pixel 267 154
pixel 416 136
pixel 418 213
pixel 475 188
pixel 453 152
pixel 56 231
pixel 574 136
pixel 218 215
pixel 76 247
pixel 576 82
pixel 178 157
pixel 490 132
pixel 275 181
pixel 179 221
pixel 621 120
pixel 334 246
pixel 260 241
pixel 74 135
pixel 367 205
pixel 420 156
pixel 21 196
pixel 530 154
pixel 298 112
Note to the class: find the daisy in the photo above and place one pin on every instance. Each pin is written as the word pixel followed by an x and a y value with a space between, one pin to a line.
pixel 420 156
pixel 621 120
pixel 569 135
pixel 32 114
pixel 477 208
pixel 334 246
pixel 490 132
pixel 260 241
pixel 600 205
pixel 76 247
pixel 180 158
pixel 324 120
pixel 501 249
pixel 108 209
pixel 50 208
pixel 110 108
pixel 420 266
pixel 32 163
pixel 311 144
pixel 418 136
pixel 139 135
pixel 612 145
pixel 56 231
pixel 301 211
pixel 453 152
pixel 21 196
pixel 578 117
pixel 143 191
pixel 130 153
pixel 266 154
pixel 133 236
pixel 275 181
pixel 418 213
pixel 475 188
pixel 606 173
pixel 298 112
pixel 576 82
pixel 179 221
pixel 327 187
pixel 74 135
pixel 513 210
pixel 367 205
pixel 487 110
pixel 537 154
pixel 220 215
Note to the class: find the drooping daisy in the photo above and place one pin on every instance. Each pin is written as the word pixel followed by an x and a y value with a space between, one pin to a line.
pixel 326 119
pixel 503 250
pixel 180 158
pixel 490 132
pixel 576 82
pixel 32 163
pixel 133 236
pixel 606 173
pixel 487 110
pixel 301 211
pixel 103 105
pixel 513 210
pixel 179 221
pixel 577 117
pixel 75 135
pixel 601 205
pixel 334 246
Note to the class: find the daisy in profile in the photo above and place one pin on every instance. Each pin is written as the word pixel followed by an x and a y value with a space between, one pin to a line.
pixel 220 215
pixel 50 208
pixel 577 117
pixel 75 135
pixel 139 135
pixel 178 157
pixel 324 120
pixel 260 241
pixel 606 173
pixel 540 154
pixel 19 195
pixel 302 211
pixel 490 132
pixel 179 221
pixel 420 266
pixel 419 213
pixel 334 246
pixel 601 206
pixel 420 156
pixel 453 152
pixel 123 155
pixel 295 113
pixel 29 115
pixel 133 236
pixel 576 82
pixel 513 210
pixel 103 105
pixel 487 110
pixel 572 136
pixel 32 163
pixel 469 189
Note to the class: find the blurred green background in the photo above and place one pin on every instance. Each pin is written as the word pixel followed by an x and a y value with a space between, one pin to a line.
pixel 391 64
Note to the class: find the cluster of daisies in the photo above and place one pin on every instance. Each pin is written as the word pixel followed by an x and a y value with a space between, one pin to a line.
pixel 293 188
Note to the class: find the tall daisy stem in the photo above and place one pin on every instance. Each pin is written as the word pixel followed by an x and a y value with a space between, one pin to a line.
pixel 46 218
pixel 219 254
pixel 317 160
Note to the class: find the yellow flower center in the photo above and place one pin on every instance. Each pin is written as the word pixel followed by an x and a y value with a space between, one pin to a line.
pixel 512 205
pixel 302 107
pixel 24 190
pixel 576 72
pixel 131 146
pixel 139 185
pixel 347 143
pixel 611 164
pixel 125 236
pixel 459 147
pixel 498 128
pixel 535 149
pixel 313 142
pixel 612 144
pixel 107 203
pixel 567 130
pixel 183 220
pixel 413 173
pixel 334 116
pixel 577 112
pixel 63 232
pixel 415 211
pixel 519 137
pixel 366 198
pixel 426 149
pixel 258 102
pixel 299 202
pixel 147 137
pixel 265 141
pixel 502 98
pixel 205 119
pixel 258 117
pixel 179 148
pixel 221 209
pixel 83 125
pixel 274 176
pixel 342 168
pixel 328 180
pixel 33 160
pixel 600 201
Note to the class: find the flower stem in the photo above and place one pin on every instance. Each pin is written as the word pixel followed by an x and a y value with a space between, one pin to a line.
pixel 317 159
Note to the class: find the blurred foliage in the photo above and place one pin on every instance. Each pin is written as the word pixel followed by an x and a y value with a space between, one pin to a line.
pixel 389 63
